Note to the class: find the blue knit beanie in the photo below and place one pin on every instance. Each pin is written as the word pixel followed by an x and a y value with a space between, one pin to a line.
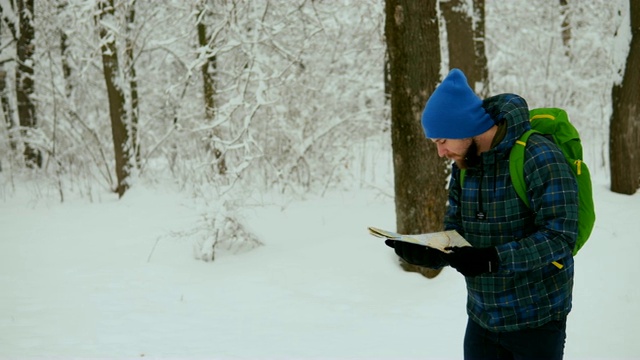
pixel 454 111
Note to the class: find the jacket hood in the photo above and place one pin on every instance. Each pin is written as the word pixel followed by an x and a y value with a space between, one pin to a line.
pixel 512 109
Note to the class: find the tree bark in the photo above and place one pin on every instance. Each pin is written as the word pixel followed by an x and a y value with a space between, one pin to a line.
pixel 624 131
pixel 482 86
pixel 466 42
pixel 64 54
pixel 116 95
pixel 25 83
pixel 6 106
pixel 208 70
pixel 412 35
pixel 7 110
pixel 133 84
pixel 566 27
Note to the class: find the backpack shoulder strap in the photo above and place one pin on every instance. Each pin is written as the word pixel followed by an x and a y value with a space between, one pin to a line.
pixel 516 166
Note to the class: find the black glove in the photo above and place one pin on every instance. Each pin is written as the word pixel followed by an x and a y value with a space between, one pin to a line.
pixel 417 254
pixel 470 261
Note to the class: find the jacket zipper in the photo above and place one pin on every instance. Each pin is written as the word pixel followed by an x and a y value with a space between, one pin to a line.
pixel 480 215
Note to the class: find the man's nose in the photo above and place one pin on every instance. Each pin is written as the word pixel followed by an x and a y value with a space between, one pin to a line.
pixel 442 151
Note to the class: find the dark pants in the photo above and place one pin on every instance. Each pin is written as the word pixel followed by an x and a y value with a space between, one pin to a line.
pixel 544 342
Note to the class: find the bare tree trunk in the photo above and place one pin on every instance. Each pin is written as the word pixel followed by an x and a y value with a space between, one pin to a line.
pixel 566 27
pixel 411 30
pixel 6 105
pixel 466 42
pixel 459 27
pixel 7 110
pixel 624 131
pixel 117 111
pixel 481 85
pixel 64 46
pixel 25 82
pixel 209 89
pixel 133 84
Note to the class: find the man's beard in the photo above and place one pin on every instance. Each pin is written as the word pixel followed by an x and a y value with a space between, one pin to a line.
pixel 471 157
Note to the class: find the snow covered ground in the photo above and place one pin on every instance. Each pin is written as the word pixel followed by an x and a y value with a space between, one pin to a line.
pixel 118 279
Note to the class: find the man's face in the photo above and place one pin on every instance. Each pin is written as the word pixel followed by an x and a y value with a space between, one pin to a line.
pixel 463 151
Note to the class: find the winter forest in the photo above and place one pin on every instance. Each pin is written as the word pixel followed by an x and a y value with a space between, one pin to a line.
pixel 224 101
pixel 240 96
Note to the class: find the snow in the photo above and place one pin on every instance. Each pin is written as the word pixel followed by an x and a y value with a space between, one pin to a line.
pixel 118 279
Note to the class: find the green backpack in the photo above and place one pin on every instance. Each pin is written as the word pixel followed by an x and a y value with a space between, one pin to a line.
pixel 555 122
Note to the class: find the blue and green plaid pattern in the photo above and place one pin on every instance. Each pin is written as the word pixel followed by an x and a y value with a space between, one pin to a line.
pixel 528 290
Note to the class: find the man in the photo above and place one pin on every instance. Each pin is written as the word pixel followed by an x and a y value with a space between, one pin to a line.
pixel 518 301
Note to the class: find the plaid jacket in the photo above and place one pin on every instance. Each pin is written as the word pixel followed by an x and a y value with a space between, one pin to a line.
pixel 527 290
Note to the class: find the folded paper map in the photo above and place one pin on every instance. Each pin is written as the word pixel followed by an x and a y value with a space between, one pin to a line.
pixel 436 240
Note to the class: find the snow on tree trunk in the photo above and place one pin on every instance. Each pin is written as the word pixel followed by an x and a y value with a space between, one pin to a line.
pixel 207 43
pixel 120 131
pixel 25 83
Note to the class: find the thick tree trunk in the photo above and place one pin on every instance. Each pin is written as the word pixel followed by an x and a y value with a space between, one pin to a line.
pixel 466 42
pixel 624 131
pixel 412 36
pixel 481 86
pixel 116 96
pixel 25 82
